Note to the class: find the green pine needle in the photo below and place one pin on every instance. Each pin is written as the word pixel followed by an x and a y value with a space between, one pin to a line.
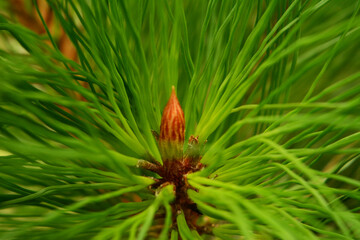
pixel 273 86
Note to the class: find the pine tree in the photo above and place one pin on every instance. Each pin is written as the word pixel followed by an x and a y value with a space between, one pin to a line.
pixel 179 119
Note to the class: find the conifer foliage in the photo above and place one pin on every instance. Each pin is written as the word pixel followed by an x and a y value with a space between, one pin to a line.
pixel 260 138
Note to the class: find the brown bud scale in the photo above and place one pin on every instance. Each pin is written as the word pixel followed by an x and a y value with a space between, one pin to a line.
pixel 176 164
pixel 172 130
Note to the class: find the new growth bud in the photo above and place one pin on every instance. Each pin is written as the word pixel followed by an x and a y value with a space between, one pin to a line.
pixel 172 130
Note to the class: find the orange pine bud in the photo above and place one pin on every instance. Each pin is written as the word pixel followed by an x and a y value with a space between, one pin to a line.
pixel 172 130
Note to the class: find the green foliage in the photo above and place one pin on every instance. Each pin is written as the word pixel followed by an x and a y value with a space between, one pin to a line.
pixel 273 86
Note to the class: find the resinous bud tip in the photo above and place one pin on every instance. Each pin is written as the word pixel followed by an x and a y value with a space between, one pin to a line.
pixel 172 129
